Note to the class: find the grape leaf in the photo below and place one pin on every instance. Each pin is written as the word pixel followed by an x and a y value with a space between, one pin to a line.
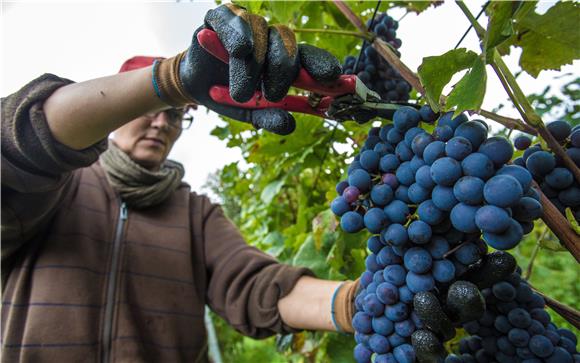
pixel 271 190
pixel 309 256
pixel 436 71
pixel 500 26
pixel 469 92
pixel 417 6
pixel 549 41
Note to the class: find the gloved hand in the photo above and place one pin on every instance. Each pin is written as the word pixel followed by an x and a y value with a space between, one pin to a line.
pixel 261 58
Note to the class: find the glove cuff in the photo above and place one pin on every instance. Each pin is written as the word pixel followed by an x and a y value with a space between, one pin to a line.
pixel 167 83
pixel 343 307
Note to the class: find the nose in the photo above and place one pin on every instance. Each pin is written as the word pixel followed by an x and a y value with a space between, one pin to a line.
pixel 160 121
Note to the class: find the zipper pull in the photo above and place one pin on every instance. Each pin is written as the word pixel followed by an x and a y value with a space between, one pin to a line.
pixel 124 211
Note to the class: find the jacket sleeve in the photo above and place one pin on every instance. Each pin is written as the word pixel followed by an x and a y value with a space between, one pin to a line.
pixel 244 283
pixel 36 169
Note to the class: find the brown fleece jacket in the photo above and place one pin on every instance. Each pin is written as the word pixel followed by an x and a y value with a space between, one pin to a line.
pixel 85 281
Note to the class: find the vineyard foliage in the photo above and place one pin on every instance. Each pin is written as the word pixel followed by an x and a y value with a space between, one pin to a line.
pixel 280 197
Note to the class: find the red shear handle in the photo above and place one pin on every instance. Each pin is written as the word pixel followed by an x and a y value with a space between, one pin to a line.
pixel 221 95
pixel 346 84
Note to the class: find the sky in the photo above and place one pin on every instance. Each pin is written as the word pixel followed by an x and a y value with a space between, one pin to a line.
pixel 85 40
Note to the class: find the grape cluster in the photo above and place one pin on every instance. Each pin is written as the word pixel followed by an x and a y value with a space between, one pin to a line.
pixel 373 70
pixel 548 170
pixel 426 198
pixel 515 328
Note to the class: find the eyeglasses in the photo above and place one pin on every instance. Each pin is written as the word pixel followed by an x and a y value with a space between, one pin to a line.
pixel 177 118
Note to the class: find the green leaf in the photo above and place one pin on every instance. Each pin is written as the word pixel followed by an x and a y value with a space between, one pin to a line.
pixel 499 27
pixel 435 72
pixel 271 190
pixel 309 256
pixel 551 40
pixel 552 245
pixel 339 348
pixel 469 92
pixel 417 6
pixel 573 222
pixel 285 11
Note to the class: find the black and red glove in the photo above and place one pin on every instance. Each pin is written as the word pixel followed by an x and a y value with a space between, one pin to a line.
pixel 261 57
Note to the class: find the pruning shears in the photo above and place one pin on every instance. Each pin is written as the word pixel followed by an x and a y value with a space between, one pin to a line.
pixel 344 99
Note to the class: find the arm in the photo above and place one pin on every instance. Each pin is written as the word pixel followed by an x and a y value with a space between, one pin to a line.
pixel 308 305
pixel 81 114
pixel 36 168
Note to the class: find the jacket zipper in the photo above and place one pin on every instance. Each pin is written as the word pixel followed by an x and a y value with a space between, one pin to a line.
pixel 111 287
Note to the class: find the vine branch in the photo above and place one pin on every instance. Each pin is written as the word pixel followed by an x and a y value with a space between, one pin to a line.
pixel 567 312
pixel 559 225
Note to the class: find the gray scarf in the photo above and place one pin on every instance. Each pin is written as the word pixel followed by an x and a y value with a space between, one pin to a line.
pixel 137 186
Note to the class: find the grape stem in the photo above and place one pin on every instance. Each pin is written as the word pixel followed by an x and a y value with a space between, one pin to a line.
pixel 559 225
pixel 518 97
pixel 537 247
pixel 364 36
pixel 510 123
pixel 567 312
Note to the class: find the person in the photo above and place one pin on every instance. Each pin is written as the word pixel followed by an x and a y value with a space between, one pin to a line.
pixel 107 255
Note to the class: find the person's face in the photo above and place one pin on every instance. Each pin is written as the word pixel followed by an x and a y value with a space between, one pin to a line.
pixel 148 139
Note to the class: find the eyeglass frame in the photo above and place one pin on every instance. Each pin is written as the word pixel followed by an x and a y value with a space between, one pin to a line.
pixel 177 117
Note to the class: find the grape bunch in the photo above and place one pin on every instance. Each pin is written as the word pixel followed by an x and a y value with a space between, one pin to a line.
pixel 426 198
pixel 373 70
pixel 556 181
pixel 515 328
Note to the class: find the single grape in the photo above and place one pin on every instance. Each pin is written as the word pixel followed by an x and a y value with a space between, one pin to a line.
pixel 429 213
pixel 498 149
pixel 448 120
pixel 389 163
pixel 467 254
pixel 339 206
pixel 382 325
pixel 395 234
pixel 419 282
pixel 362 354
pixel 418 260
pixel 444 198
pixel 458 148
pixel 560 178
pixel 379 344
pixel 369 160
pixel 474 131
pixel 387 293
pixel 541 163
pixel 506 240
pixel 469 190
pixel 375 220
pixel 502 191
pixel 559 129
pixel 443 271
pixel 445 171
pixel 522 142
pixel 419 232
pixel 381 194
pixel 360 179
pixel 463 217
pixel 434 151
pixel 351 222
pixel 478 165
pixel 443 133
pixel 418 194
pixel 395 274
pixel 492 219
